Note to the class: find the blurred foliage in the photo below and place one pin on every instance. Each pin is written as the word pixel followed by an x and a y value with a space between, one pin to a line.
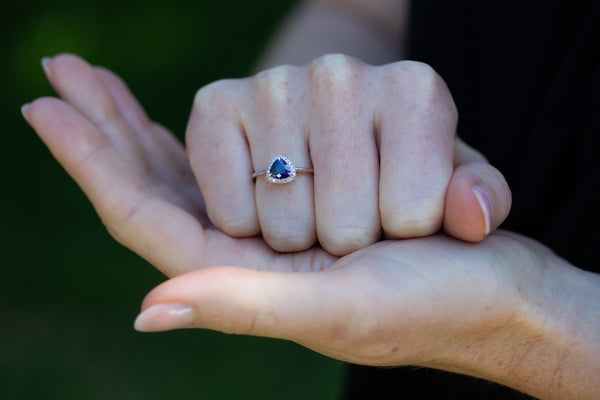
pixel 68 292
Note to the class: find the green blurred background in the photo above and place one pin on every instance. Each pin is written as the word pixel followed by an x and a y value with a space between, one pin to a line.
pixel 68 292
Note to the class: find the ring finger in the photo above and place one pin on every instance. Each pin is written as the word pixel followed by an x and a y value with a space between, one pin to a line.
pixel 274 127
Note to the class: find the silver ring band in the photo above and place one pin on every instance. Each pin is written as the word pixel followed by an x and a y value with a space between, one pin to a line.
pixel 281 170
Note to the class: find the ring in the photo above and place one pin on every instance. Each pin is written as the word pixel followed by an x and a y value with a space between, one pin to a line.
pixel 281 170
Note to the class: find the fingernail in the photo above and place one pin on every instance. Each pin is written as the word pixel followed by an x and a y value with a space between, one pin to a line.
pixel 45 62
pixel 164 317
pixel 486 207
pixel 24 109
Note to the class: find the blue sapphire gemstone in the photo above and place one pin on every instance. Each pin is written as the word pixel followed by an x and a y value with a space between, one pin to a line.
pixel 281 170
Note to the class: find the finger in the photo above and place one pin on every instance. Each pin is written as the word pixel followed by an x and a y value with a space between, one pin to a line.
pixel 78 83
pixel 163 234
pixel 165 154
pixel 478 198
pixel 241 301
pixel 319 311
pixel 273 121
pixel 344 152
pixel 220 159
pixel 417 123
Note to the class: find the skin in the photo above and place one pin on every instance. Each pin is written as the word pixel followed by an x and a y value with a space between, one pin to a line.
pixel 504 309
pixel 382 144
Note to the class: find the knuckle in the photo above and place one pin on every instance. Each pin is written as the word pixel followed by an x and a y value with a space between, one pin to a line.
pixel 335 75
pixel 414 74
pixel 418 71
pixel 217 96
pixel 274 83
pixel 273 90
pixel 423 87
pixel 214 102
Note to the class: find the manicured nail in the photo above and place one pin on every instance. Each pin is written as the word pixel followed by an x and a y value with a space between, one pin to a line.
pixel 164 317
pixel 24 109
pixel 45 62
pixel 486 207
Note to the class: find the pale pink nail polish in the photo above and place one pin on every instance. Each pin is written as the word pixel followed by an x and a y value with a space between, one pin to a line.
pixel 486 207
pixel 45 62
pixel 165 317
pixel 24 109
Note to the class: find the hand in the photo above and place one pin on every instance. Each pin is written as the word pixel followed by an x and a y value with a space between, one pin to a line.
pixel 392 303
pixel 137 176
pixel 492 309
pixel 382 144
pixel 505 309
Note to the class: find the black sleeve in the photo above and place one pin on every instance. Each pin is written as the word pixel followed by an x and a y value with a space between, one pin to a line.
pixel 526 80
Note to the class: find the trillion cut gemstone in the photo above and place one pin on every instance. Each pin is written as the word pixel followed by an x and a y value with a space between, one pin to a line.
pixel 281 170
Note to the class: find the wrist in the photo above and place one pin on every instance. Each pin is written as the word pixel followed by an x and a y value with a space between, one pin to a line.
pixel 564 361
pixel 544 342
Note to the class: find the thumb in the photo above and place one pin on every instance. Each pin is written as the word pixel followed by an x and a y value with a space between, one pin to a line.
pixel 237 300
pixel 478 198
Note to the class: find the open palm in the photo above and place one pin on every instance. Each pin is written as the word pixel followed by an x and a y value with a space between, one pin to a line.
pixel 137 176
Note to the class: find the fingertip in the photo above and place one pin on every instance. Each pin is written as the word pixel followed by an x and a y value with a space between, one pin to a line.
pixel 165 317
pixel 46 66
pixel 485 206
pixel 477 202
pixel 63 58
pixel 233 300
pixel 24 109
pixel 464 217
pixel 39 112
pixel 193 287
pixel 63 68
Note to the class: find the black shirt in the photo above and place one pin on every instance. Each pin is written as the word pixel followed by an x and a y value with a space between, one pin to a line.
pixel 525 76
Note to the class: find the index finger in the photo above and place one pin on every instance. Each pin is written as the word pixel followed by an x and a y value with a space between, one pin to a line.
pixel 162 233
